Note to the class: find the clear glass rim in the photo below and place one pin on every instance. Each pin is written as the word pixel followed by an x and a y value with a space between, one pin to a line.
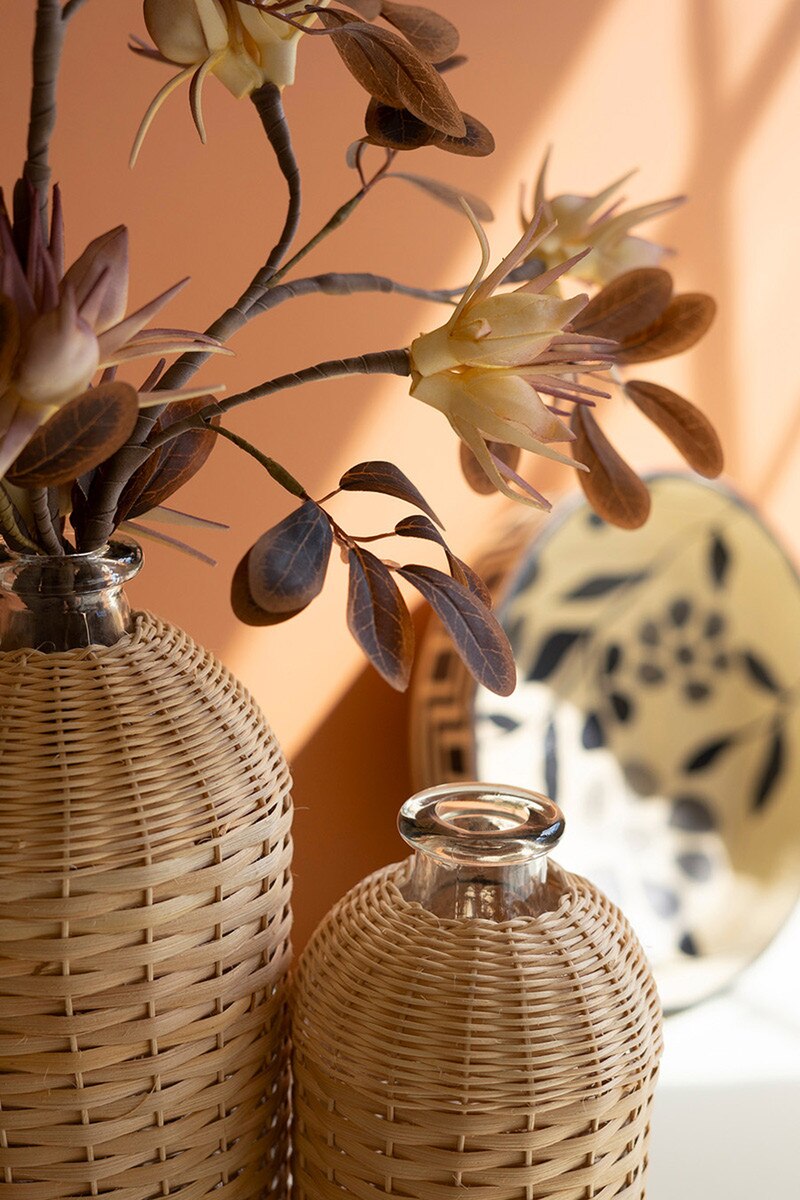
pixel 466 823
pixel 92 570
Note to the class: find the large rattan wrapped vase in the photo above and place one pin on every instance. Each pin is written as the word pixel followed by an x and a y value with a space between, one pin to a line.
pixel 471 1023
pixel 144 903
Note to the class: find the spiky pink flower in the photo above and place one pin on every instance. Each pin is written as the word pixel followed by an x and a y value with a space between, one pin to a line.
pixel 58 329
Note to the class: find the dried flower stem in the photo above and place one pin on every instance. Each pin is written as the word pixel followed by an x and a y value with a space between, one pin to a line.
pixel 246 307
pixel 40 508
pixel 47 47
pixel 269 106
pixel 12 525
pixel 339 217
pixel 380 362
pixel 274 468
pixel 336 284
pixel 105 491
pixel 122 465
pixel 70 8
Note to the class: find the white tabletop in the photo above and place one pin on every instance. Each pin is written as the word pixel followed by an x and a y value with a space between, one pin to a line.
pixel 727 1116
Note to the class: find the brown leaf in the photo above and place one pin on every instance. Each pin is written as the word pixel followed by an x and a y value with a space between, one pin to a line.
pixel 396 128
pixel 627 304
pixel 682 324
pixel 613 489
pixel 446 194
pixel 451 63
pixel 477 635
pixel 386 478
pixel 474 473
pixel 475 142
pixel 368 9
pixel 78 437
pixel 172 465
pixel 378 618
pixel 433 36
pixel 686 426
pixel 9 339
pixel 244 606
pixel 422 527
pixel 288 563
pixel 393 72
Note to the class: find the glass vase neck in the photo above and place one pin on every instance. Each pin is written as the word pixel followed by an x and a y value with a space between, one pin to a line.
pixel 64 602
pixel 480 850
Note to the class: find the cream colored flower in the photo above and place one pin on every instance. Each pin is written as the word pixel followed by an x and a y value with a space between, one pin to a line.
pixel 487 368
pixel 243 46
pixel 59 329
pixel 595 223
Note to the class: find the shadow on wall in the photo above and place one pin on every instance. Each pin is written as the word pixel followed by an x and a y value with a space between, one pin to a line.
pixel 734 82
pixel 350 778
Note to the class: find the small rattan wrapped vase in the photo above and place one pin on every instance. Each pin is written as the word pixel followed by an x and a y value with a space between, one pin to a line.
pixel 144 903
pixel 473 1023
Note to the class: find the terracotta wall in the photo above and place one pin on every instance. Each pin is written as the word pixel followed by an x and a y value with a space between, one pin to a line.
pixel 701 94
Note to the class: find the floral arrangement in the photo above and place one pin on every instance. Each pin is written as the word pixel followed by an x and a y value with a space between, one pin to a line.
pixel 527 354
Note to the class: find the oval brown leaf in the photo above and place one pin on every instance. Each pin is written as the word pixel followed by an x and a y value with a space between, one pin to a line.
pixel 476 633
pixel 386 478
pixel 626 305
pixel 451 63
pixel 689 430
pixel 9 339
pixel 396 128
pixel 433 36
pixel 378 618
pixel 172 465
pixel 393 72
pixel 684 321
pixel 475 142
pixel 244 606
pixel 78 437
pixel 287 565
pixel 613 489
pixel 422 527
pixel 474 473
pixel 368 9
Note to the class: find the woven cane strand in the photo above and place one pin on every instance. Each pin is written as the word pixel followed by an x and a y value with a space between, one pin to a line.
pixel 144 923
pixel 437 1059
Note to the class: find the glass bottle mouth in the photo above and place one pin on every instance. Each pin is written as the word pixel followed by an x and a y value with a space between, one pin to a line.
pixel 45 575
pixel 481 823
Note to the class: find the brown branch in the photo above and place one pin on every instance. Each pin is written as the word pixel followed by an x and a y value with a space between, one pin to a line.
pixel 107 491
pixel 347 284
pixel 13 528
pixel 271 465
pixel 70 8
pixel 43 519
pixel 382 362
pixel 47 47
pixel 269 106
pixel 106 488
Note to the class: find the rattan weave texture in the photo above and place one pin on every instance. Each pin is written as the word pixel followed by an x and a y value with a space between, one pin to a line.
pixel 144 923
pixel 441 1059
